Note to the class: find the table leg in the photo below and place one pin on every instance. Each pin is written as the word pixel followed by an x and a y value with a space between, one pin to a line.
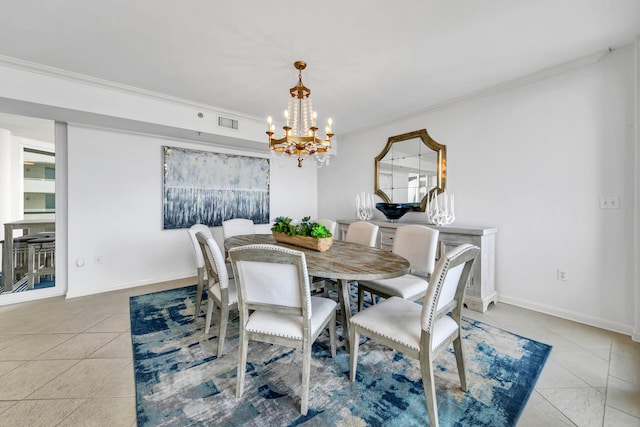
pixel 345 308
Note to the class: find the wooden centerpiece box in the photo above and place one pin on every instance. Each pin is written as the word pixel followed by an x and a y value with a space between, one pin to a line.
pixel 308 242
pixel 307 234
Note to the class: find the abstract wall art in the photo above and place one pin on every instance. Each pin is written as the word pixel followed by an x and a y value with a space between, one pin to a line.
pixel 202 187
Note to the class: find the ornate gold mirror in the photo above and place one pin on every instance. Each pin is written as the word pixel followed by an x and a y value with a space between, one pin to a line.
pixel 409 168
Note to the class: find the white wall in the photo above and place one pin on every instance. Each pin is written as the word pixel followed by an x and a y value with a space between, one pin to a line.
pixel 5 177
pixel 109 182
pixel 87 96
pixel 115 209
pixel 533 161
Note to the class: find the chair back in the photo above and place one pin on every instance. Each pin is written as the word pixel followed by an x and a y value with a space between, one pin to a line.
pixel 447 285
pixel 418 244
pixel 237 227
pixel 273 278
pixel 362 232
pixel 329 225
pixel 193 230
pixel 213 261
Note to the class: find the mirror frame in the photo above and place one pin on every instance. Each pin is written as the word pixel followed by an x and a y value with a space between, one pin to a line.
pixel 440 149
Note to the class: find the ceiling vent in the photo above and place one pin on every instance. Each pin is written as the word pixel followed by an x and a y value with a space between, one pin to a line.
pixel 225 122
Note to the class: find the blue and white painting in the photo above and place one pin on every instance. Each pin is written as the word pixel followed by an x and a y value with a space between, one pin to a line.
pixel 202 187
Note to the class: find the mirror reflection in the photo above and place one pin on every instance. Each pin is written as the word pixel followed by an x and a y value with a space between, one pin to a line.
pixel 410 167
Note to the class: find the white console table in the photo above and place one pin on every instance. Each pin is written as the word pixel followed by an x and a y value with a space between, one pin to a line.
pixel 481 290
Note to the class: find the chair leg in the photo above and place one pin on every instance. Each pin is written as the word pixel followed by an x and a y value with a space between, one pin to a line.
pixel 426 367
pixel 306 373
pixel 229 268
pixel 222 328
pixel 207 321
pixel 457 349
pixel 355 344
pixel 199 290
pixel 332 334
pixel 360 298
pixel 242 362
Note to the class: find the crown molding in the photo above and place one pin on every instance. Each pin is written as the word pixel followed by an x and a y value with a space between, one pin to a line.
pixel 501 87
pixel 84 79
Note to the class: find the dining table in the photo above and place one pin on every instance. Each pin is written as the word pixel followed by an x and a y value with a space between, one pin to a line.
pixel 343 262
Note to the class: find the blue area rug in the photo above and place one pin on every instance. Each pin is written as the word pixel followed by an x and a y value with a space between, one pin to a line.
pixel 179 382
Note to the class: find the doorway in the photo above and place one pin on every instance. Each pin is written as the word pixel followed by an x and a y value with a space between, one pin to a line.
pixel 27 193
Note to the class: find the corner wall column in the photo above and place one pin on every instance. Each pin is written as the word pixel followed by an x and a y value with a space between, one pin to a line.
pixel 636 184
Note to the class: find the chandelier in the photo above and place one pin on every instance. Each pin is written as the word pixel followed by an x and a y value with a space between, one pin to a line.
pixel 300 133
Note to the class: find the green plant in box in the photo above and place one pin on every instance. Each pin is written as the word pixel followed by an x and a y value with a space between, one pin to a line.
pixel 305 228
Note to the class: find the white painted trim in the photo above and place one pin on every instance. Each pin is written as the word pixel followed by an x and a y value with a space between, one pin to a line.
pixel 120 286
pixel 568 315
pixel 636 189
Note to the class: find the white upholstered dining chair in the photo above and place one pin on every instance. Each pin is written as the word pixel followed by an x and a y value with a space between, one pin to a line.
pixel 276 306
pixel 329 224
pixel 221 290
pixel 363 233
pixel 418 244
pixel 237 227
pixel 199 258
pixel 422 331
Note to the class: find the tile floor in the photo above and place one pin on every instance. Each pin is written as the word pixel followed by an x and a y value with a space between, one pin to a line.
pixel 69 363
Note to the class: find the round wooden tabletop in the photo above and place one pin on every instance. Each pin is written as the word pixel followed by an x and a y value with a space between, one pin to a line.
pixel 344 260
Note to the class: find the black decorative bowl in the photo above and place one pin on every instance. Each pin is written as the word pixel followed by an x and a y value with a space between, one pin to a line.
pixel 394 211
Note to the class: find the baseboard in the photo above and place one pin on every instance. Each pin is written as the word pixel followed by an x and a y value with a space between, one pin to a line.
pixel 127 285
pixel 570 315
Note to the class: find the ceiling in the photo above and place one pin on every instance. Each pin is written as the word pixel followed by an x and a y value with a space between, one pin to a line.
pixel 369 61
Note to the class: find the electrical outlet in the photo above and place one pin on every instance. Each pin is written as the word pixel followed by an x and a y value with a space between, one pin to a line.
pixel 97 260
pixel 609 202
pixel 563 275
